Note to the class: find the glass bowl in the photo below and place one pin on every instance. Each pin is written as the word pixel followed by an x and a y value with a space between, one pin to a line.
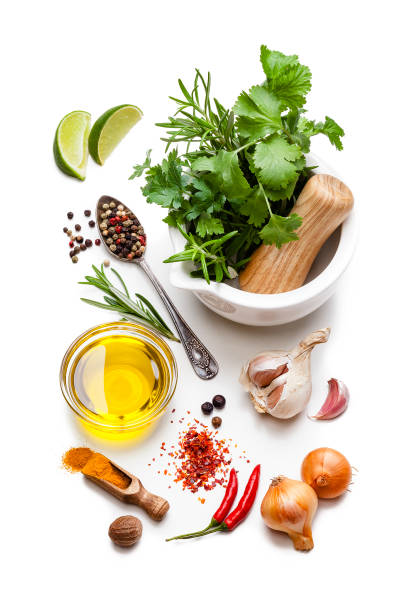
pixel 163 371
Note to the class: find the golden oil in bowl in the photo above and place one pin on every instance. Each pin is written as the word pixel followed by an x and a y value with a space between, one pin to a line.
pixel 118 378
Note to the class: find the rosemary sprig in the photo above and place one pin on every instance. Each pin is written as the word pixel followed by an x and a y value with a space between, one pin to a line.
pixel 207 256
pixel 136 311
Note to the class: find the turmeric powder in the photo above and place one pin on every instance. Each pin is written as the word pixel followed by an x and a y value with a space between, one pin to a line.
pixel 88 462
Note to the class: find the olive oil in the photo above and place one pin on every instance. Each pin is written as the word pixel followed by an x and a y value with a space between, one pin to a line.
pixel 118 377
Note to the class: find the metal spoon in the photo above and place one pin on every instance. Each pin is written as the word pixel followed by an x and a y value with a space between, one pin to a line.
pixel 204 364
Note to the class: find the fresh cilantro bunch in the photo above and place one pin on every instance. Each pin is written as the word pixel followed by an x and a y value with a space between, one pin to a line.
pixel 242 169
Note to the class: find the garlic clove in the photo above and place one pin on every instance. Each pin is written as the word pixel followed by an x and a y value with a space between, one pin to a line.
pixel 263 369
pixel 336 401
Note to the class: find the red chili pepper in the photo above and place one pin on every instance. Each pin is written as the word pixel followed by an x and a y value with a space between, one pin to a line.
pixel 230 495
pixel 246 502
pixel 241 511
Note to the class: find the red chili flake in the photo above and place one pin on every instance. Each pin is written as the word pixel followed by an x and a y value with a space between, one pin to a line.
pixel 201 458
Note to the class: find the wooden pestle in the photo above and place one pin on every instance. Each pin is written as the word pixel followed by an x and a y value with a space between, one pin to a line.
pixel 155 506
pixel 323 203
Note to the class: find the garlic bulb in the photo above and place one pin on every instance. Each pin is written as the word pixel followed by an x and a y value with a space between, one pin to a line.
pixel 289 506
pixel 279 382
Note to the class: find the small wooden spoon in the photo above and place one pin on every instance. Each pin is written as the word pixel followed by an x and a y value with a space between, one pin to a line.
pixel 155 506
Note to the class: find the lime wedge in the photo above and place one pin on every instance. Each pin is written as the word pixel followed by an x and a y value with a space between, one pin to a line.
pixel 110 129
pixel 71 144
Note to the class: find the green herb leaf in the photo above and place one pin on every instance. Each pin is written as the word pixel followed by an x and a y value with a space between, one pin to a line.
pixel 139 169
pixel 280 230
pixel 287 79
pixel 208 225
pixel 274 159
pixel 119 301
pixel 259 113
pixel 230 178
pixel 256 208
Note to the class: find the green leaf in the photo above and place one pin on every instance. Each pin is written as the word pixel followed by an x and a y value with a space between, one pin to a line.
pixel 259 113
pixel 207 225
pixel 274 160
pixel 139 169
pixel 255 207
pixel 287 79
pixel 224 165
pixel 329 128
pixel 280 230
pixel 274 62
pixel 333 132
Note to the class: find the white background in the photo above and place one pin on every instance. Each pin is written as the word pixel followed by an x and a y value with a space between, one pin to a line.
pixel 57 57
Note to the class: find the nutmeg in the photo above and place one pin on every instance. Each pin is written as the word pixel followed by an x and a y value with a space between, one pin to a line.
pixel 125 531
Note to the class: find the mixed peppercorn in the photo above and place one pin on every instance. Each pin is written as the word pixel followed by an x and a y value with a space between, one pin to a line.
pixel 121 231
pixel 218 401
pixel 76 241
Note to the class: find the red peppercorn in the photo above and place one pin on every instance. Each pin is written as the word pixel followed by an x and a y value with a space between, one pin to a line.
pixel 124 218
pixel 112 221
pixel 71 243
pixel 97 242
pixel 130 256
pixel 142 240
pixel 117 241
pixel 118 229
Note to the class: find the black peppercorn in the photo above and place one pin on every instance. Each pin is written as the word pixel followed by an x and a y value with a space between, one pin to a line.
pixel 82 247
pixel 216 421
pixel 76 250
pixel 79 239
pixel 218 401
pixel 78 227
pixel 65 230
pixel 88 242
pixel 70 215
pixel 207 408
pixel 72 253
pixel 91 223
pixel 125 252
pixel 87 213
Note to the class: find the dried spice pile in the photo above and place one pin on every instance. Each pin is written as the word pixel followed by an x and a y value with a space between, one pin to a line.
pixel 202 457
pixel 200 460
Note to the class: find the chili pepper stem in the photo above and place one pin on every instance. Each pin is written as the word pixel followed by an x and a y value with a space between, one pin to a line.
pixel 196 534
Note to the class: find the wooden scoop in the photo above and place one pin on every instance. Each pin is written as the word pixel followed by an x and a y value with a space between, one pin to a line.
pixel 323 203
pixel 155 506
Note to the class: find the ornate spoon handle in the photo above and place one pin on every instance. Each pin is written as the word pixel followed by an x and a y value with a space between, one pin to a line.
pixel 204 364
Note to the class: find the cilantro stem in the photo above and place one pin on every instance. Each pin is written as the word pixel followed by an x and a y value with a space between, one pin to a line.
pixel 265 196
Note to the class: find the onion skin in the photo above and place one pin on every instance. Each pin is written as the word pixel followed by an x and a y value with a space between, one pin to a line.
pixel 327 471
pixel 289 506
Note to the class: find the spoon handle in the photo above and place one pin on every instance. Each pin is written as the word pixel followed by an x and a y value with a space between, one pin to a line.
pixel 204 364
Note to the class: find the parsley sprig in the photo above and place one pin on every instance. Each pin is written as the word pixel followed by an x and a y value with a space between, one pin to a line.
pixel 242 169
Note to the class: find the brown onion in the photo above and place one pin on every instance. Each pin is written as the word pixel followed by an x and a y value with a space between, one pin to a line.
pixel 327 471
pixel 289 506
